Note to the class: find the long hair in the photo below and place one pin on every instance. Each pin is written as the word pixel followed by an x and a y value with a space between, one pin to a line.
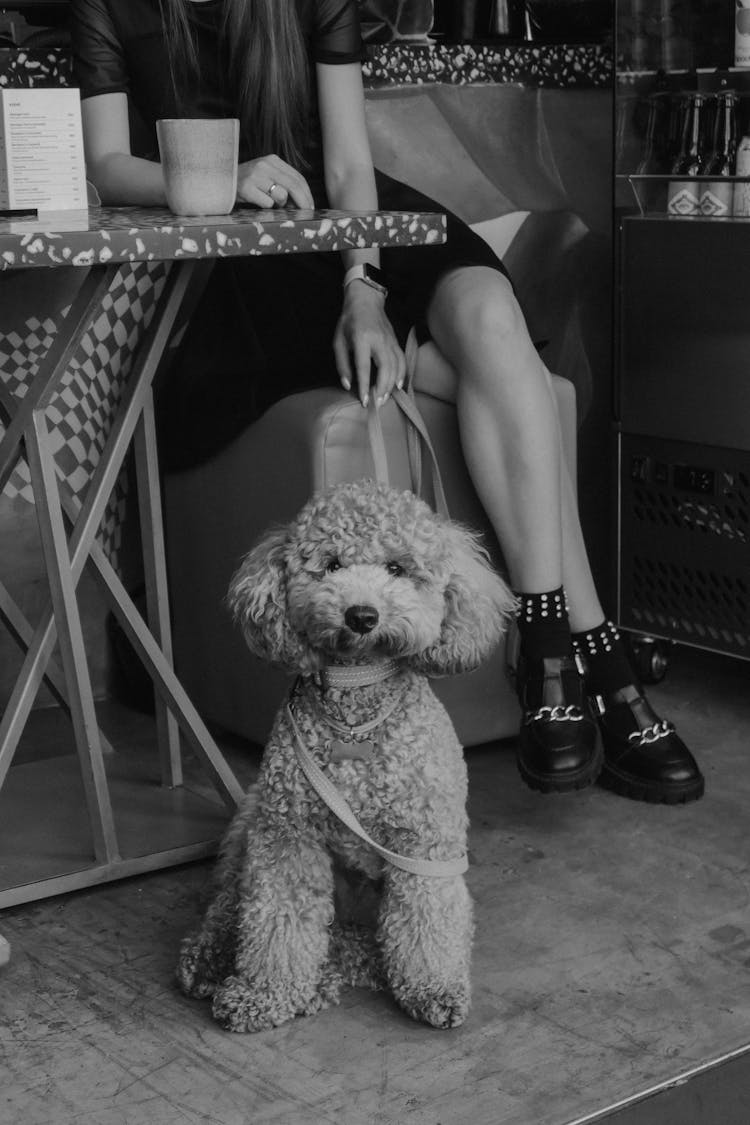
pixel 267 69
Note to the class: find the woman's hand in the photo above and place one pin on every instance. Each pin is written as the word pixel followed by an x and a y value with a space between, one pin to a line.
pixel 365 343
pixel 269 181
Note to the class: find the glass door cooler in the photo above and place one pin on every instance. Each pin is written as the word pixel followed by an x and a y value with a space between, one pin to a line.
pixel 682 364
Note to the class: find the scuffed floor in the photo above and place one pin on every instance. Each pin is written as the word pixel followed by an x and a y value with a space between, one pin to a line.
pixel 612 953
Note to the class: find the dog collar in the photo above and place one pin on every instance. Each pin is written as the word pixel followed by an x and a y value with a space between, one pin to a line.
pixel 357 675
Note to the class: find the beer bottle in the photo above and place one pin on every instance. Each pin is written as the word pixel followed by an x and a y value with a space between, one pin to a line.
pixel 675 40
pixel 742 33
pixel 641 53
pixel 655 161
pixel 684 194
pixel 507 20
pixel 741 201
pixel 716 196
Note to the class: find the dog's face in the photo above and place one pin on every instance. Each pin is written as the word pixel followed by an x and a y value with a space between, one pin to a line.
pixel 366 570
pixel 363 578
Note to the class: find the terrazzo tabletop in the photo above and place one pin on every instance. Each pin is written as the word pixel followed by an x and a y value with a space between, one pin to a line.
pixel 109 235
pixel 391 65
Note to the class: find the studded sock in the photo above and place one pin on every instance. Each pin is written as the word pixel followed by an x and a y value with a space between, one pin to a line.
pixel 607 663
pixel 543 624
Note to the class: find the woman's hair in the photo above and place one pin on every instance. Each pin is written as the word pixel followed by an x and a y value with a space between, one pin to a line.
pixel 267 69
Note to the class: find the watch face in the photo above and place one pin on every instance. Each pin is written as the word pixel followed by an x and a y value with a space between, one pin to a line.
pixel 374 274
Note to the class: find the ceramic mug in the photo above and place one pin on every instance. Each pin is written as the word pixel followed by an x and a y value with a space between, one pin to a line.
pixel 199 163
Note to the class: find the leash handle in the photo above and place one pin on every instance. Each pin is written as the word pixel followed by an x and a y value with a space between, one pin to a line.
pixel 415 430
pixel 327 791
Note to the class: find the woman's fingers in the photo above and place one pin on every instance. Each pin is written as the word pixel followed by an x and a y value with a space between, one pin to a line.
pixel 368 357
pixel 279 194
pixel 343 363
pixel 391 367
pixel 270 182
pixel 363 369
pixel 249 193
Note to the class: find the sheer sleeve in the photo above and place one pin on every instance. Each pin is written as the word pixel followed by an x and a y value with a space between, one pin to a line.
pixel 98 60
pixel 337 36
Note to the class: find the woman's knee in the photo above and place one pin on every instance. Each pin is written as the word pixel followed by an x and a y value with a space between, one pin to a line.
pixel 476 306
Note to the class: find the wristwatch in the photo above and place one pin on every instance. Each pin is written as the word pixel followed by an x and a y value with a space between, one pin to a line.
pixel 371 276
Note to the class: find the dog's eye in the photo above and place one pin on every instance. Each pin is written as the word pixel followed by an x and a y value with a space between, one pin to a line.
pixel 395 569
pixel 333 565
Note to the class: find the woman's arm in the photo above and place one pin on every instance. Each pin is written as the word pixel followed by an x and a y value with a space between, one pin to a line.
pixel 364 333
pixel 119 177
pixel 349 175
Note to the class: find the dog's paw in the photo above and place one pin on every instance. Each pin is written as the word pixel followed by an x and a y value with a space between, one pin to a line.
pixel 190 981
pixel 444 1008
pixel 197 973
pixel 241 1005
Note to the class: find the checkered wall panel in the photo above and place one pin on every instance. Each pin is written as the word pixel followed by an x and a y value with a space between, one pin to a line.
pixel 81 413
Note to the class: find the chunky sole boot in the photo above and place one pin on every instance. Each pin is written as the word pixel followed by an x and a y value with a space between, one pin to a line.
pixel 644 757
pixel 559 749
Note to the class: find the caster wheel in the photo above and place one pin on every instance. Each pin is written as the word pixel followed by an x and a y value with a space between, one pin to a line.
pixel 650 658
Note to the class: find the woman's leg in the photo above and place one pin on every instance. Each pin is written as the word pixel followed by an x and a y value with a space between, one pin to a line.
pixel 483 359
pixel 510 438
pixel 510 434
pixel 478 327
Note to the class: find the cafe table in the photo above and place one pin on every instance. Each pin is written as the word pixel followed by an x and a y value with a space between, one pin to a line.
pixel 74 399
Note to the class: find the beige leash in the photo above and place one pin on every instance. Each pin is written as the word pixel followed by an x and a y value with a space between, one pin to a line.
pixel 327 791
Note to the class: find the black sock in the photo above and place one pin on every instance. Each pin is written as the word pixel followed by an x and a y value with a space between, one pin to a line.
pixel 543 624
pixel 607 663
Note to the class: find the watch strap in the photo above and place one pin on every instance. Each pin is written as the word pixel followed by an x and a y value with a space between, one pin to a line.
pixel 363 271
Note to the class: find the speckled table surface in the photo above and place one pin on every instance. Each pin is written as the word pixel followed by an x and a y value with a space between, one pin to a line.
pixel 557 65
pixel 109 235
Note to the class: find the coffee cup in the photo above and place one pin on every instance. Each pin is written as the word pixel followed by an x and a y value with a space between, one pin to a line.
pixel 199 163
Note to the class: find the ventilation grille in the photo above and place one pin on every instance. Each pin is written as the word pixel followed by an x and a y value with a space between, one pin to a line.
pixel 726 516
pixel 700 606
pixel 684 562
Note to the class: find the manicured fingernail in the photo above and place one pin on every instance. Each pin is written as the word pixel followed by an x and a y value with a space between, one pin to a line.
pixel 381 400
pixel 400 386
pixel 365 400
pixel 346 384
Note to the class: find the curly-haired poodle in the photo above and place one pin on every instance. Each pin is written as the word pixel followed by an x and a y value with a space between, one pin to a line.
pixel 364 595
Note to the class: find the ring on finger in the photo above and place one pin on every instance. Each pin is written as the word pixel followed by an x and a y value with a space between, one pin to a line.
pixel 273 188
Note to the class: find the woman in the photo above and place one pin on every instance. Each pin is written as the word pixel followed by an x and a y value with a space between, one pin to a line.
pixel 290 70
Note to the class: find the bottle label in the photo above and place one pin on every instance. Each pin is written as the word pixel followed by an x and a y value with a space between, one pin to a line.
pixel 741 201
pixel 684 198
pixel 742 33
pixel 741 205
pixel 716 199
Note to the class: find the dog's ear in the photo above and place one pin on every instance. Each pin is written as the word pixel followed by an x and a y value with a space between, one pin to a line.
pixel 257 600
pixel 478 604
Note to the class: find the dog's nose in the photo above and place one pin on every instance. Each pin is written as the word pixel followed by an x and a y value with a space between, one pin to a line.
pixel 361 618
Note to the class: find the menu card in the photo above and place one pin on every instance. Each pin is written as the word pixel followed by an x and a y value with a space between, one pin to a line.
pixel 42 165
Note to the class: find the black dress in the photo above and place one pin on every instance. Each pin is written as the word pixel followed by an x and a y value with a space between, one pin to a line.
pixel 265 326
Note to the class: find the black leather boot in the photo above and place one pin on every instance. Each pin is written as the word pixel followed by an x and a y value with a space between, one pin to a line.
pixel 644 757
pixel 558 747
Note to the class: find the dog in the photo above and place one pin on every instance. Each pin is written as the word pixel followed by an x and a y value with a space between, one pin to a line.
pixel 365 595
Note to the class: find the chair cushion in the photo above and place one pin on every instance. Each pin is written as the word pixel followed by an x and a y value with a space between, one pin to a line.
pixel 215 512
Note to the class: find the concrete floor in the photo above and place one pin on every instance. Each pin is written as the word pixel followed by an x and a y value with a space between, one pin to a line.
pixel 612 956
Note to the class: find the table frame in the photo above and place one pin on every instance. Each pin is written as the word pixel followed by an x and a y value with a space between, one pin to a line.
pixel 108 240
pixel 68 529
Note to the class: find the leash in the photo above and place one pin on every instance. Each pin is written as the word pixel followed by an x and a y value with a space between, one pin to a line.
pixel 327 791
pixel 416 429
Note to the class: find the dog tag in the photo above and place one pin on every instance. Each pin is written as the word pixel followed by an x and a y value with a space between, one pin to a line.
pixel 343 750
